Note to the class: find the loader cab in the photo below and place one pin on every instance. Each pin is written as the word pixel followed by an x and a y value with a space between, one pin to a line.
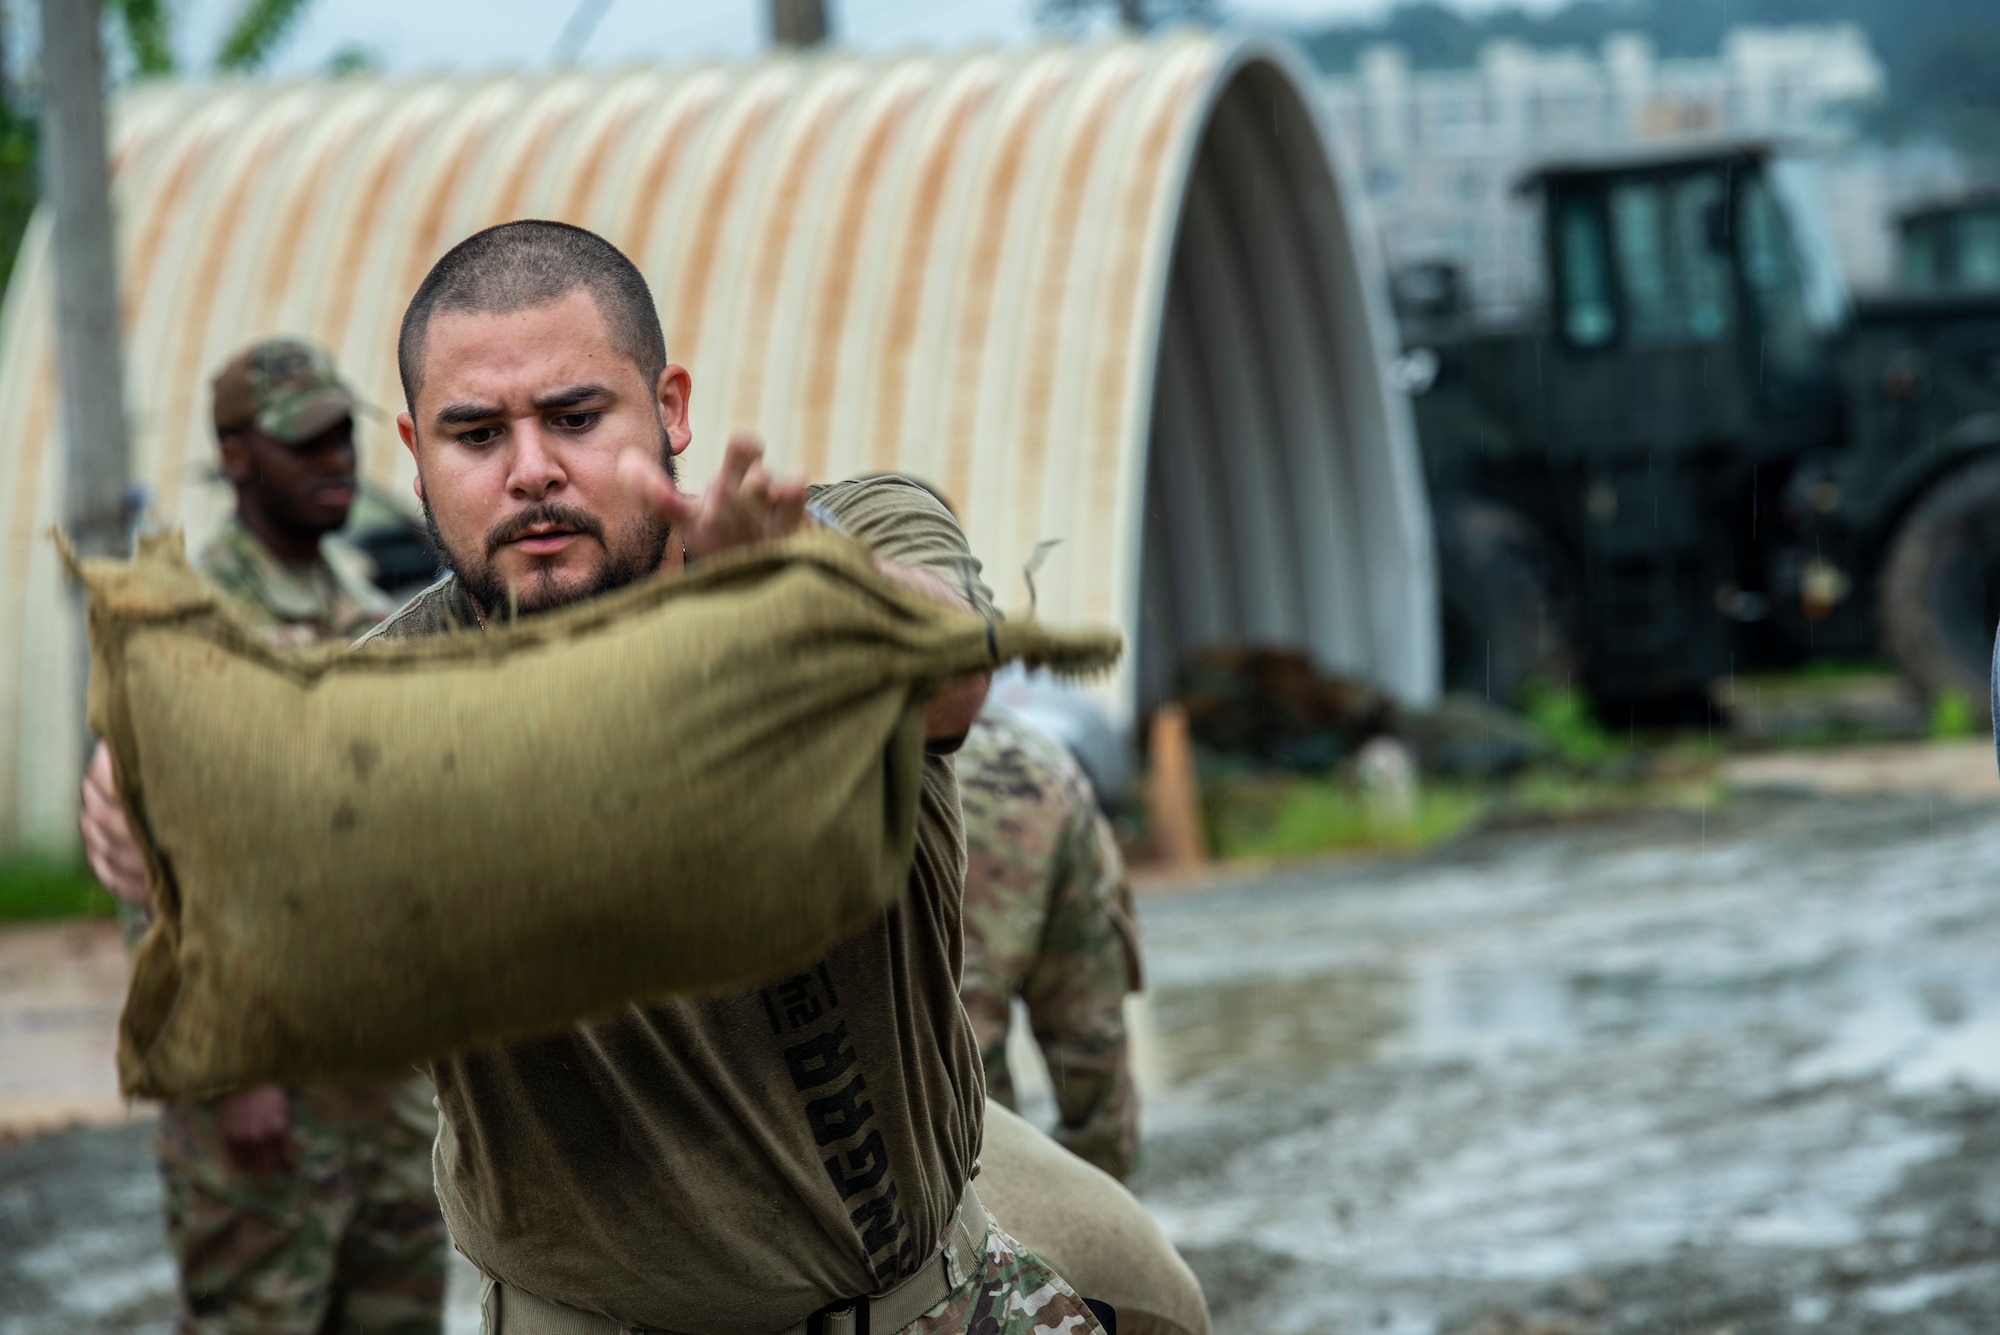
pixel 1708 257
pixel 1951 246
pixel 1628 447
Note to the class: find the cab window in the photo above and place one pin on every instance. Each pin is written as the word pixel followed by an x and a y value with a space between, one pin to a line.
pixel 1978 252
pixel 1789 360
pixel 1676 276
pixel 1589 317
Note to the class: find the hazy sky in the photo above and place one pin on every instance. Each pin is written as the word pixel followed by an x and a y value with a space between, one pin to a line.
pixel 411 35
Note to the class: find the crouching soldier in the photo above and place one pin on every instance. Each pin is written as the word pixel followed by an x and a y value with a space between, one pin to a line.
pixel 312 1209
pixel 1048 919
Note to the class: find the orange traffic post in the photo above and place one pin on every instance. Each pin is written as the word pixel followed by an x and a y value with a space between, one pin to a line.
pixel 1173 798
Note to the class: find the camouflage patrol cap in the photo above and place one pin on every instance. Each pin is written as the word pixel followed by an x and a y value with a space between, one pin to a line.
pixel 285 387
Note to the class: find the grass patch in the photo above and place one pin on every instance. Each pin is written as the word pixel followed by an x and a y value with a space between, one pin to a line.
pixel 1565 723
pixel 1951 716
pixel 1825 671
pixel 34 888
pixel 1271 816
pixel 1550 795
pixel 1585 772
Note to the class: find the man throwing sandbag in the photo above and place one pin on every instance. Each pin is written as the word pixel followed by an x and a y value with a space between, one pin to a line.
pixel 791 1157
pixel 293 1210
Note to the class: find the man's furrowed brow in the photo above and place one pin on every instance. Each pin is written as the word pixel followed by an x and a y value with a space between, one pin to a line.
pixel 465 414
pixel 572 397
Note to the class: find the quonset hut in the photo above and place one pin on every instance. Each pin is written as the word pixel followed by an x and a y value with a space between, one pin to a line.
pixel 1113 295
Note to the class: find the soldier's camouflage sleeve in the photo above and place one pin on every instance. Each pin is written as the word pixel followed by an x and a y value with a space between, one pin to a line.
pixel 1076 994
pixel 1048 919
pixel 1006 799
pixel 331 600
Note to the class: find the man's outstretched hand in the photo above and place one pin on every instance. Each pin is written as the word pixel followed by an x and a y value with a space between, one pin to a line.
pixel 744 504
pixel 107 838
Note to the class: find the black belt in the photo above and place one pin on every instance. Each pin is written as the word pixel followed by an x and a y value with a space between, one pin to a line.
pixel 510 1311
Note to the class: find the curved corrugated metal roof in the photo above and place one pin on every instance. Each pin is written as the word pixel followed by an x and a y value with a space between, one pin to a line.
pixel 1019 276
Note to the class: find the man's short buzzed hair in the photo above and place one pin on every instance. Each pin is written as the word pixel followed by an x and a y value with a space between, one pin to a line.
pixel 520 265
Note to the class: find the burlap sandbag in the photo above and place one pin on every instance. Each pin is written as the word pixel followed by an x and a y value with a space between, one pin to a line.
pixel 1088 1227
pixel 366 859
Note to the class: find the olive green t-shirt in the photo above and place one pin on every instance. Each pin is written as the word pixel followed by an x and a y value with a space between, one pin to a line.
pixel 728 1165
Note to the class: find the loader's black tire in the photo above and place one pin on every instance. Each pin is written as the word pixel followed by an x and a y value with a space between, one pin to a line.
pixel 1940 590
pixel 1507 601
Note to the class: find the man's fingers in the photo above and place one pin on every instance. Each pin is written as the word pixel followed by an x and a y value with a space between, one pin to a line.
pixel 103 808
pixel 98 772
pixel 743 450
pixel 106 824
pixel 108 844
pixel 100 784
pixel 96 805
pixel 644 477
pixel 753 497
pixel 788 510
pixel 746 502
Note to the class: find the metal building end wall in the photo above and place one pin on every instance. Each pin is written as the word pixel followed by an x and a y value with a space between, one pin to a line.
pixel 1284 500
pixel 1114 295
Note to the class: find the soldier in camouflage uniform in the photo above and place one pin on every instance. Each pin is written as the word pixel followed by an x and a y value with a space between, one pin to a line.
pixel 310 1209
pixel 1048 918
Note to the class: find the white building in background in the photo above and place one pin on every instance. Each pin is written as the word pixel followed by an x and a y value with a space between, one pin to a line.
pixel 1441 151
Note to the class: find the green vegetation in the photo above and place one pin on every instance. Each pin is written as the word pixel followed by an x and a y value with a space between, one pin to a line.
pixel 260 26
pixel 1564 722
pixel 1942 56
pixel 19 180
pixel 148 33
pixel 1829 672
pixel 1566 766
pixel 146 52
pixel 1274 817
pixel 44 888
pixel 1290 816
pixel 1951 716
pixel 1571 768
pixel 253 37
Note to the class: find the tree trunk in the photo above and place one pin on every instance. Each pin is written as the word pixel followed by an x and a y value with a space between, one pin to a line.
pixel 798 23
pixel 76 183
pixel 79 191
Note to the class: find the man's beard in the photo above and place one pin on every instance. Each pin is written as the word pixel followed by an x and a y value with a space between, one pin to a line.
pixel 635 554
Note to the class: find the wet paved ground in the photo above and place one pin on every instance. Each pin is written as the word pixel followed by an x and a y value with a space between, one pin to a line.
pixel 1729 1073
pixel 1736 1073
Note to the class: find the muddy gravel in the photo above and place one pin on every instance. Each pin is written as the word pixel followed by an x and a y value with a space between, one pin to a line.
pixel 1713 1072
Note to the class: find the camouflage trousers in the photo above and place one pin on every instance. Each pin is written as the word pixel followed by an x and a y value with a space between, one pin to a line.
pixel 1013 1293
pixel 350 1241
